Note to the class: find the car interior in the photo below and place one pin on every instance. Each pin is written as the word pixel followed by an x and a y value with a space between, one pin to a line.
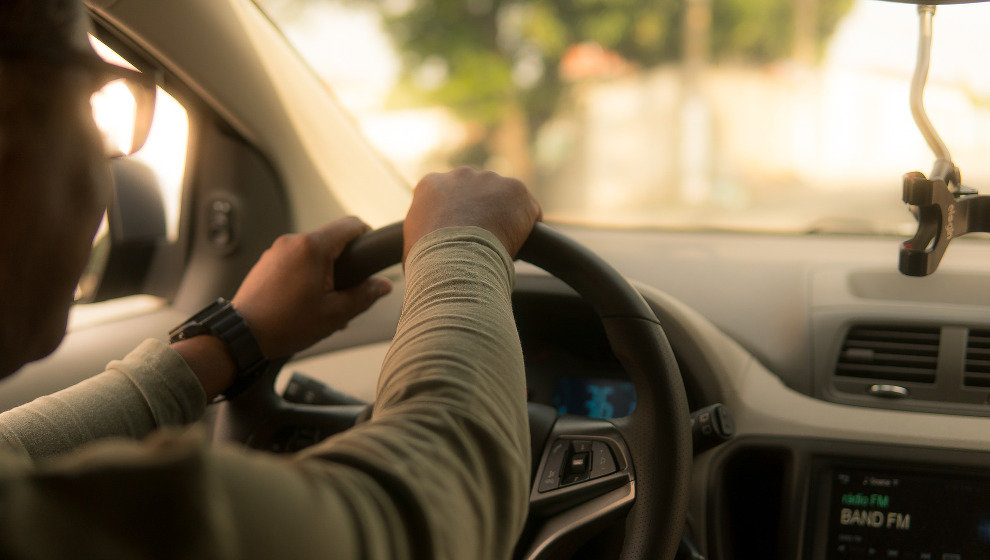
pixel 740 389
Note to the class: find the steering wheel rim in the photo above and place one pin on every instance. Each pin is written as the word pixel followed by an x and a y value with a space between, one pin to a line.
pixel 656 436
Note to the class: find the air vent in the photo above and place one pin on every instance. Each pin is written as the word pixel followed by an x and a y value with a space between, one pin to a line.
pixel 893 353
pixel 977 372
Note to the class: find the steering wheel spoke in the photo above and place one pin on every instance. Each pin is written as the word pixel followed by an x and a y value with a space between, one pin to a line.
pixel 582 459
pixel 583 482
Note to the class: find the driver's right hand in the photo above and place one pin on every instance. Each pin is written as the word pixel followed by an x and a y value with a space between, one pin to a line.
pixel 288 299
pixel 468 197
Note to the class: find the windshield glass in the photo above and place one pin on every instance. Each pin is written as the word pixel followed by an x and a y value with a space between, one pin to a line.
pixel 767 115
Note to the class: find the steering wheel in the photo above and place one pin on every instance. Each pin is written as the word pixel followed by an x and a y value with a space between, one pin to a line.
pixel 587 473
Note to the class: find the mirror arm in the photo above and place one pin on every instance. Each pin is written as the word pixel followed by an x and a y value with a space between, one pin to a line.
pixel 942 157
pixel 943 206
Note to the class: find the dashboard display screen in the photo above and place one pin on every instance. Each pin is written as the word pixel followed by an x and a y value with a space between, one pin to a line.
pixel 907 516
pixel 595 398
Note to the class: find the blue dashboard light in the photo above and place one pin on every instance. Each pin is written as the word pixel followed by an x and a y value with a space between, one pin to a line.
pixel 983 530
pixel 594 398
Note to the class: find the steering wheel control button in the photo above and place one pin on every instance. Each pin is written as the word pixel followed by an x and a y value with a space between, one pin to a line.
pixel 581 446
pixel 602 462
pixel 572 461
pixel 578 463
pixel 574 478
pixel 550 480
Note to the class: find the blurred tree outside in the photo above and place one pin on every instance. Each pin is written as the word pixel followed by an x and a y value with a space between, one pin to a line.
pixel 504 65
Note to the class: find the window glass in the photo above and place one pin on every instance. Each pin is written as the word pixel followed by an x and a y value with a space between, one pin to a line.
pixel 779 115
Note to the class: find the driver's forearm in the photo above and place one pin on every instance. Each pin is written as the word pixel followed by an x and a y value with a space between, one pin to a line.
pixel 448 444
pixel 148 389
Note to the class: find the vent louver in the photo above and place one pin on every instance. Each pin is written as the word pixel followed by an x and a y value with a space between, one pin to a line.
pixel 893 353
pixel 977 372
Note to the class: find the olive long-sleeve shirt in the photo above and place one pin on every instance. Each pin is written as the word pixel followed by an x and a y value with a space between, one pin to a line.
pixel 441 470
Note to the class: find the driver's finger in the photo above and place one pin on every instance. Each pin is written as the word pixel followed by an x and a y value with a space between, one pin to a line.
pixel 343 305
pixel 333 237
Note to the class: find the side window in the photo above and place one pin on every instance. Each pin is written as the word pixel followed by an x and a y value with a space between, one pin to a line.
pixel 148 193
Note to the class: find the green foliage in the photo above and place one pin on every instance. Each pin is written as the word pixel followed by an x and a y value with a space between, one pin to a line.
pixel 828 14
pixel 763 30
pixel 753 29
pixel 485 43
pixel 494 55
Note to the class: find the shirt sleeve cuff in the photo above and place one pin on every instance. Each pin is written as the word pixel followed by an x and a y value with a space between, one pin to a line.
pixel 173 393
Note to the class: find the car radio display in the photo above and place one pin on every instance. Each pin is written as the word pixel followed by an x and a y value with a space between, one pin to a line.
pixel 907 516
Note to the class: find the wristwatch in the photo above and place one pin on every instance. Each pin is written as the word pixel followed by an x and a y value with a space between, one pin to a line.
pixel 221 320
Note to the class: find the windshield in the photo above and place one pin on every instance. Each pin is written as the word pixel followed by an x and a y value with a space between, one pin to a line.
pixel 766 115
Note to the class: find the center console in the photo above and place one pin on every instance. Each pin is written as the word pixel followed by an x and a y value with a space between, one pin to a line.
pixel 777 498
pixel 887 511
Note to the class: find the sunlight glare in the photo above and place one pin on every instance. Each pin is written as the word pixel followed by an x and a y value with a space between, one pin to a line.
pixel 113 110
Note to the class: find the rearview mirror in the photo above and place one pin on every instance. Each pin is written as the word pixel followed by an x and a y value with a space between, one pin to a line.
pixel 124 251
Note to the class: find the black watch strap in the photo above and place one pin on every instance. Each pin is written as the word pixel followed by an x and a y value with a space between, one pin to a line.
pixel 221 320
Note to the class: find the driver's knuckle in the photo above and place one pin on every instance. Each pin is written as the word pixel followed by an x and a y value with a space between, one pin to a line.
pixel 282 242
pixel 295 245
pixel 305 246
pixel 463 172
pixel 515 186
pixel 428 181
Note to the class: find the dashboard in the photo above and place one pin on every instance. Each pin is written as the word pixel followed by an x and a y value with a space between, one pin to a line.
pixel 759 323
pixel 790 483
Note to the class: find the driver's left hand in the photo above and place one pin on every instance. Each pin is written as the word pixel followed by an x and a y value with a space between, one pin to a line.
pixel 288 299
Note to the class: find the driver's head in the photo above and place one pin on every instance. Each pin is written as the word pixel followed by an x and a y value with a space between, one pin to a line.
pixel 54 178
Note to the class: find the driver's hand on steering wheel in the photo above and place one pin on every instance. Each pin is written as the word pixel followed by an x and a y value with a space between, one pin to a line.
pixel 288 299
pixel 468 197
